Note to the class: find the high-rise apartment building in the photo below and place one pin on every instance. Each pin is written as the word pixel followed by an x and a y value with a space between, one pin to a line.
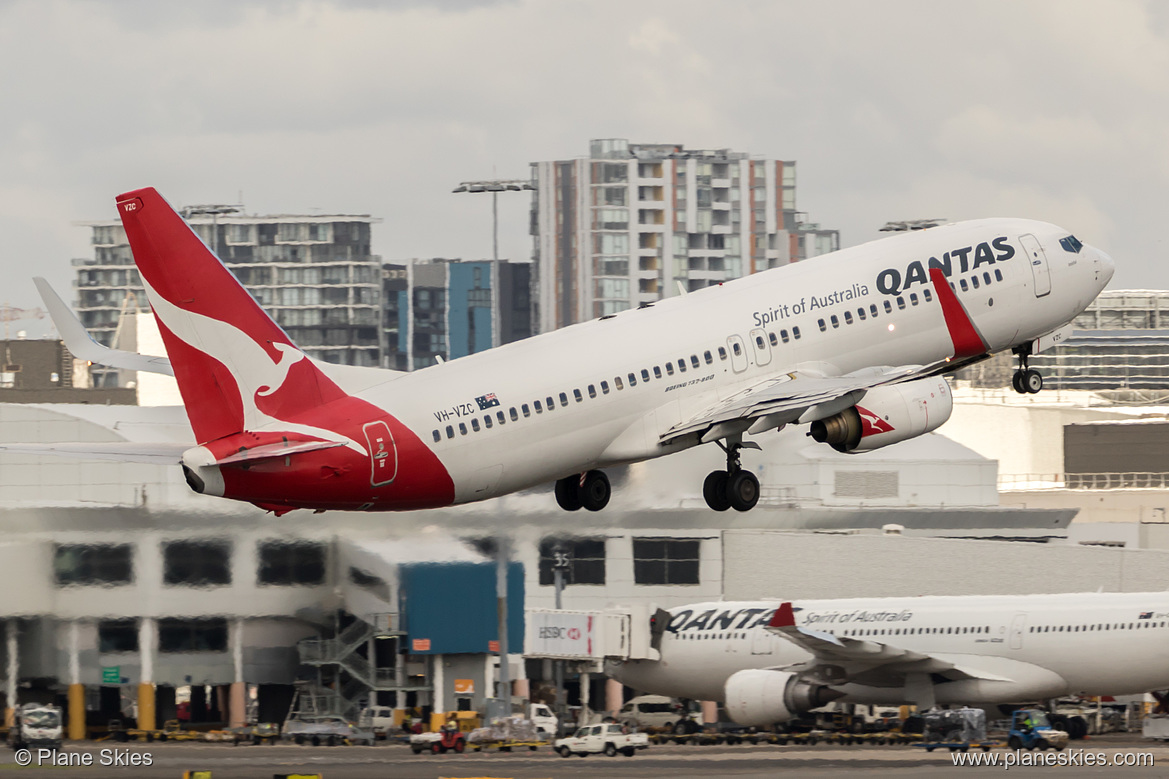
pixel 452 308
pixel 314 274
pixel 632 222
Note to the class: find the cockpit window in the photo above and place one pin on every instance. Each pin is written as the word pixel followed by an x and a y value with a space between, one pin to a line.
pixel 1071 244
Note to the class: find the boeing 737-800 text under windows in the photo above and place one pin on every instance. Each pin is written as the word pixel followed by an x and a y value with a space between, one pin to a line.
pixel 864 337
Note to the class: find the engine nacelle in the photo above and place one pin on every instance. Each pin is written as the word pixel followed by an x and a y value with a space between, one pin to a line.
pixel 887 415
pixel 761 698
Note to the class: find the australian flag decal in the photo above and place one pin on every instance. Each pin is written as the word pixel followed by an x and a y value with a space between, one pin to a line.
pixel 1146 615
pixel 487 401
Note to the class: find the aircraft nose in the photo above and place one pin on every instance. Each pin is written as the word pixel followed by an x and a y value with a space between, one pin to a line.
pixel 1106 267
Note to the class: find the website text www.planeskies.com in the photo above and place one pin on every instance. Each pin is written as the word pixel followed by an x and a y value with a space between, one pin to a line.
pixel 1019 758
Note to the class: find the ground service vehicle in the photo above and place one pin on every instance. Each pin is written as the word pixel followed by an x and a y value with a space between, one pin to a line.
pixel 608 738
pixel 449 738
pixel 651 711
pixel 329 731
pixel 1030 729
pixel 35 725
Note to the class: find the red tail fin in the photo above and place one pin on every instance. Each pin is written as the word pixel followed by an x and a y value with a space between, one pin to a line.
pixel 236 369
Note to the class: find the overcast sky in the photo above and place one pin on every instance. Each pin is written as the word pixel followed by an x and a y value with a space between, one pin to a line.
pixel 1053 110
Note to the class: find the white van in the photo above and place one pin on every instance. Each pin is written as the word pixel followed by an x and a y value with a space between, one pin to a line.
pixel 544 719
pixel 379 719
pixel 651 711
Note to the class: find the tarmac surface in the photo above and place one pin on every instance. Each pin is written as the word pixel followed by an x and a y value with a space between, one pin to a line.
pixel 673 761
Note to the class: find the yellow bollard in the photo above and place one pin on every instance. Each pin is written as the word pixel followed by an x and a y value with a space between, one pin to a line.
pixel 76 712
pixel 146 706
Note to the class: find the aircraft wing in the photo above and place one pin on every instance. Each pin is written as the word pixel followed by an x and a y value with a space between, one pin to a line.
pixel 81 344
pixel 841 659
pixel 797 396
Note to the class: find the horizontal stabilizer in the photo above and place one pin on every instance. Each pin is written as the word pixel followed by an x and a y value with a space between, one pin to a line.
pixel 81 344
pixel 122 451
pixel 268 451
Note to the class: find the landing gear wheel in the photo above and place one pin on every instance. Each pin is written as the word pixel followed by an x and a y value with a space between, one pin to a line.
pixel 714 490
pixel 568 493
pixel 743 491
pixel 1031 381
pixel 1017 382
pixel 594 494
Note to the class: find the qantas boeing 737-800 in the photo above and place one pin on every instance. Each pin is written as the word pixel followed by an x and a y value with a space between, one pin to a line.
pixel 854 344
pixel 770 662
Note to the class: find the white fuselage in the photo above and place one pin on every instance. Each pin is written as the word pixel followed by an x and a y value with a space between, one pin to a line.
pixel 1025 648
pixel 594 423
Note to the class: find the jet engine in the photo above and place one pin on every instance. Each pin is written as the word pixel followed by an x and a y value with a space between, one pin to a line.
pixel 762 698
pixel 887 415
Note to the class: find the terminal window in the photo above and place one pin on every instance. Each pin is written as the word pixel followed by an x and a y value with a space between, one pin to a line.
pixel 117 635
pixel 192 635
pixel 585 558
pixel 197 563
pixel 283 563
pixel 665 560
pixel 92 564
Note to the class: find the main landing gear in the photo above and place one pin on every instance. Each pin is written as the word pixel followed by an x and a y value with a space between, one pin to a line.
pixel 1026 380
pixel 733 488
pixel 589 490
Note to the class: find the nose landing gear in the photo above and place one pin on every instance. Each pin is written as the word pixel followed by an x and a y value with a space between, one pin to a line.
pixel 1026 380
pixel 733 488
pixel 589 490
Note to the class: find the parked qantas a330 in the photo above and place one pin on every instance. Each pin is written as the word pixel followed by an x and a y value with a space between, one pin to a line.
pixel 854 344
pixel 771 662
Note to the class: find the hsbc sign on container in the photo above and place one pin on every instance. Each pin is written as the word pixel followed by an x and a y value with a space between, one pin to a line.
pixel 562 634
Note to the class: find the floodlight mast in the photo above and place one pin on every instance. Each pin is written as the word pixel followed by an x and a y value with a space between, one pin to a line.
pixel 494 186
pixel 212 210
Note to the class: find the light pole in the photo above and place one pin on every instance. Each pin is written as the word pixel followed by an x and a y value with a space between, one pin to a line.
pixel 495 186
pixel 560 565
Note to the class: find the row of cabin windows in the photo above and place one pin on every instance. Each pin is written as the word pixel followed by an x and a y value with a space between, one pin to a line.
pixel 998 276
pixel 873 312
pixel 549 402
pixel 914 631
pixel 1098 626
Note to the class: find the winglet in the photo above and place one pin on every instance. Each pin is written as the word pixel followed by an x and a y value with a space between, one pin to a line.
pixel 968 342
pixel 784 616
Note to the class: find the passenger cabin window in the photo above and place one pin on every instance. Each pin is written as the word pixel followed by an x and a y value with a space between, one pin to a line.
pixel 873 310
pixel 774 341
pixel 437 436
pixel 681 366
pixel 499 415
pixel 795 332
pixel 927 295
pixel 783 335
pixel 962 283
pixel 450 432
pixel 539 408
pixel 487 423
pixel 722 353
pixel 913 298
pixel 985 277
pixel 644 374
pixel 737 349
pixel 834 320
pixel 526 410
pixel 901 303
pixel 657 372
pixel 551 405
pixel 707 356
pixel 974 281
pixel 563 399
pixel 860 313
pixel 632 380
pixel 848 317
pixel 694 360
pixel 513 414
pixel 604 388
pixel 759 341
pixel 592 390
pixel 475 425
pixel 823 326
pixel 888 307
pixel 462 428
pixel 669 369
pixel 617 383
pixel 576 394
pixel 998 275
